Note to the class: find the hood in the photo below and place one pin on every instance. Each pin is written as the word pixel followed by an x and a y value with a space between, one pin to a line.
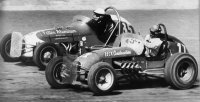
pixel 61 34
pixel 88 59
pixel 32 39
pixel 49 35
pixel 74 32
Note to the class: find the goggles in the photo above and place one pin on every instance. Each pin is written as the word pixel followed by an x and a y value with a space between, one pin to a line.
pixel 97 15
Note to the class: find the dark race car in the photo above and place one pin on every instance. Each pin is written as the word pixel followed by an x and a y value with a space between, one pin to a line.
pixel 43 45
pixel 101 69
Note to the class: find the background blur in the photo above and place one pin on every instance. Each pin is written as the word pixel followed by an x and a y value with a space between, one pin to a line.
pixel 91 4
pixel 181 17
pixel 24 82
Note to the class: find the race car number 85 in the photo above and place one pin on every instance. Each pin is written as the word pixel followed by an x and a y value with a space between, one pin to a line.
pixel 131 40
pixel 126 28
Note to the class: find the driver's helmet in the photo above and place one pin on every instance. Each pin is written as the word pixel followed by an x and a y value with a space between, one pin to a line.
pixel 155 30
pixel 98 14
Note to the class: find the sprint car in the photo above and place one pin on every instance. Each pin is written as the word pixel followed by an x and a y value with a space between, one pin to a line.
pixel 101 69
pixel 43 45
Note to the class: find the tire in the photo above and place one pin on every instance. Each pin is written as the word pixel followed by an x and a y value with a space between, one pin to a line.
pixel 181 71
pixel 53 71
pixel 5 45
pixel 43 53
pixel 96 72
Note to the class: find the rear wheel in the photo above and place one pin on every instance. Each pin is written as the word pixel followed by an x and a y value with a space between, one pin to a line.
pixel 101 78
pixel 43 53
pixel 56 73
pixel 5 45
pixel 181 71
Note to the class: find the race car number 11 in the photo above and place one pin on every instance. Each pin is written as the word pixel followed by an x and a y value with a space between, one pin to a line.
pixel 181 48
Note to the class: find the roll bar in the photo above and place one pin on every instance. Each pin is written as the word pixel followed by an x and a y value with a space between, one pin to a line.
pixel 165 30
pixel 118 23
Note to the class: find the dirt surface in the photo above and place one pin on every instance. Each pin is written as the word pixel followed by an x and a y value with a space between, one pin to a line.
pixel 25 82
pixel 22 82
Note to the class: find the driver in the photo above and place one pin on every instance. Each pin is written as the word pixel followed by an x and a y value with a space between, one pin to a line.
pixel 102 24
pixel 153 41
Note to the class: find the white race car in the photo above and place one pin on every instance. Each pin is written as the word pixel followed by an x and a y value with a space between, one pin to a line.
pixel 43 45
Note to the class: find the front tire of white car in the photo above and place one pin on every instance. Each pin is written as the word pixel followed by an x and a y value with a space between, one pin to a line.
pixel 101 78
pixel 43 53
pixel 5 46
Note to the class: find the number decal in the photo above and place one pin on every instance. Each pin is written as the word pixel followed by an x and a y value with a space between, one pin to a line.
pixel 181 48
pixel 132 30
pixel 126 28
pixel 132 41
pixel 184 48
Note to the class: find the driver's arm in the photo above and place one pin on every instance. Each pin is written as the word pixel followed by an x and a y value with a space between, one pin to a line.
pixel 109 27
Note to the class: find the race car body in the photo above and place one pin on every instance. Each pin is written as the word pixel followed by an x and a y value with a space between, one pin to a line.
pixel 101 69
pixel 43 45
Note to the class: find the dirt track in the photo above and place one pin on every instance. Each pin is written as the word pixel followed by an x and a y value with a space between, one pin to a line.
pixel 20 82
pixel 24 82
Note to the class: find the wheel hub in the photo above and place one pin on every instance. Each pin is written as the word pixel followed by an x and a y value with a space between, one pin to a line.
pixel 47 55
pixel 185 71
pixel 102 80
pixel 65 72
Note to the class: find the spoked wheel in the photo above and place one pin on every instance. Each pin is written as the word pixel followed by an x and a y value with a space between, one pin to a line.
pixel 43 53
pixel 5 45
pixel 181 71
pixel 101 78
pixel 185 71
pixel 47 54
pixel 58 74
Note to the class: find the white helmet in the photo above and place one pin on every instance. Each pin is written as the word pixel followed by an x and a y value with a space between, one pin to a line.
pixel 100 11
pixel 154 28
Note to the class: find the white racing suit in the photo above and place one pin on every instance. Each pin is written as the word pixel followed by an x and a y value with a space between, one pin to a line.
pixel 138 44
pixel 152 45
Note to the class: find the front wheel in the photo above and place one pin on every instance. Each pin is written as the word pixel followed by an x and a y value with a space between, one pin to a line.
pixel 5 45
pixel 101 78
pixel 43 53
pixel 181 71
pixel 56 72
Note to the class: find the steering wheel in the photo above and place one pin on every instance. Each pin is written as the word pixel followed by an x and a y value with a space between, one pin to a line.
pixel 163 28
pixel 117 24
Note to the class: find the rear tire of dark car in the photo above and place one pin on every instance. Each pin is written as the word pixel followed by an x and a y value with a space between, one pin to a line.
pixel 181 71
pixel 101 78
pixel 5 45
pixel 43 53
